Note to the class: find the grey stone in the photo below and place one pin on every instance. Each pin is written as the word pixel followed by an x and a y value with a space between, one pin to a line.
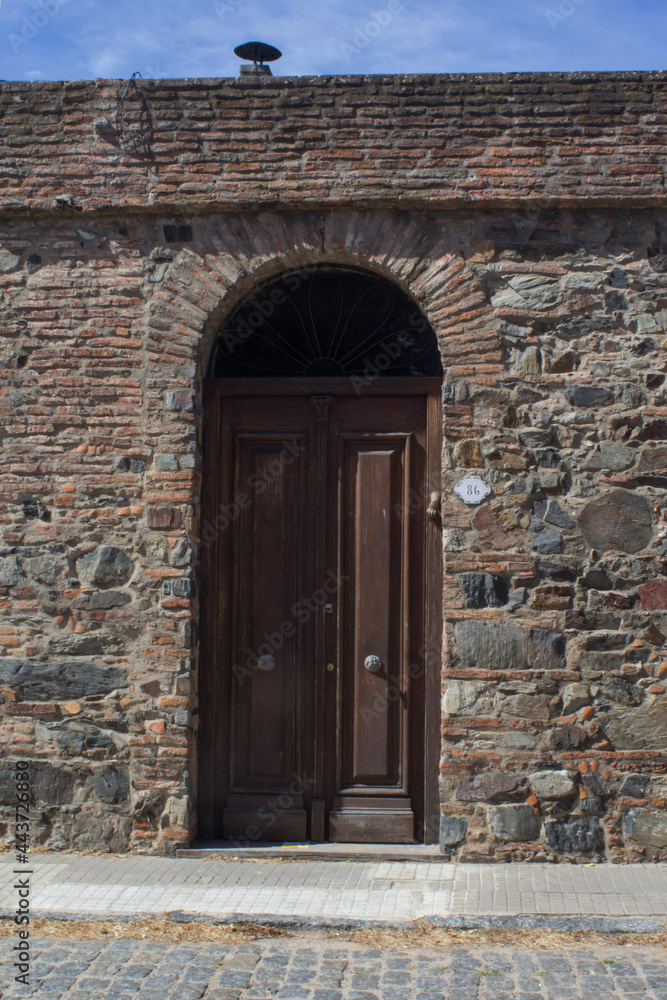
pixel 489 786
pixel 633 785
pixel 59 679
pixel 107 566
pixel 587 395
pixel 609 456
pixel 7 784
pixel 183 588
pixel 527 292
pixel 516 598
pixel 617 521
pixel 595 784
pixel 181 554
pixel 596 579
pixel 548 541
pixel 528 361
pixel 102 600
pixel 574 697
pixel 166 462
pixel 46 569
pixel 10 571
pixel 51 785
pixel 127 464
pixel 8 260
pixel 574 836
pixel 453 829
pixel 92 644
pixel 487 644
pixel 514 823
pixel 526 706
pixel 618 278
pixel 552 785
pixel 643 728
pixel 647 827
pixel 484 590
pixel 554 514
pixel 653 460
pixel 621 690
pixel 112 784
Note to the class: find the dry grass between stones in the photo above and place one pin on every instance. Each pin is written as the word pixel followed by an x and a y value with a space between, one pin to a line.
pixel 422 935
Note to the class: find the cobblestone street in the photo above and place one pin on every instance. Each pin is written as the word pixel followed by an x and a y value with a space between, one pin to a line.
pixel 315 968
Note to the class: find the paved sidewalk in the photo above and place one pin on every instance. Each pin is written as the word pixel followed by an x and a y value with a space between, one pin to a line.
pixel 312 969
pixel 329 891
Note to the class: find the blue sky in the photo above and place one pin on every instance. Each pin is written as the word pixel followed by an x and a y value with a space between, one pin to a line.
pixel 87 39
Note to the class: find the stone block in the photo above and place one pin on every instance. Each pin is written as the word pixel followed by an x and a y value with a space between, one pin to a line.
pixel 164 517
pixel 112 785
pixel 643 728
pixel 647 827
pixel 489 786
pixel 127 464
pixel 653 595
pixel 579 835
pixel 10 571
pixel 551 512
pixel 552 785
pixel 610 456
pixel 526 706
pixel 107 566
pixel 488 645
pixel 453 829
pixel 91 644
pixel 484 590
pixel 548 542
pixel 617 521
pixel 517 824
pixel 633 785
pixel 574 697
pixel 587 395
pixel 467 454
pixel 51 785
pixel 60 679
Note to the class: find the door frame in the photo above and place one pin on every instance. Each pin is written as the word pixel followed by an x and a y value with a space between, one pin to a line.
pixel 215 610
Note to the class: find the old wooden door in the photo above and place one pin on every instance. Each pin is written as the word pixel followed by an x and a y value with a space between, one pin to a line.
pixel 319 689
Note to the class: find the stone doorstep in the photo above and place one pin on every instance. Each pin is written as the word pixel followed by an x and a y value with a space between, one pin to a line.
pixel 320 852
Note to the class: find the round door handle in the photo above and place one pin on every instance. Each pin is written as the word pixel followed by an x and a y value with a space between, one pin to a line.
pixel 373 664
pixel 266 662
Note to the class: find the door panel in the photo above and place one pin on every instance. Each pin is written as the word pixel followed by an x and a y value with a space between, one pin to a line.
pixel 320 561
pixel 271 494
pixel 381 549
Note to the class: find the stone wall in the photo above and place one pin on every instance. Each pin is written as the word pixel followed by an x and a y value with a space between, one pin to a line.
pixel 552 318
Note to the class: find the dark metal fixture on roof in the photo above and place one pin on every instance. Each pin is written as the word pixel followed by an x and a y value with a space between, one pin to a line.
pixel 260 53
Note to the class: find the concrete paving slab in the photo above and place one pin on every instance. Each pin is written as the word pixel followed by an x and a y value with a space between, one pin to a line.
pixel 386 891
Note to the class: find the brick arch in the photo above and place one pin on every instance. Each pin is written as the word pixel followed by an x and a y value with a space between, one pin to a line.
pixel 189 294
pixel 203 284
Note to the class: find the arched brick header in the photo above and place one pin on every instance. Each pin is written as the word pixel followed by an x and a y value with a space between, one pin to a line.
pixel 203 283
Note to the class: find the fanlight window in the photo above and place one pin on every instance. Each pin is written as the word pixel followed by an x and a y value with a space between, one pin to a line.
pixel 324 320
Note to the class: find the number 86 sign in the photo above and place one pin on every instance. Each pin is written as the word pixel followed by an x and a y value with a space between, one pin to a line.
pixel 472 489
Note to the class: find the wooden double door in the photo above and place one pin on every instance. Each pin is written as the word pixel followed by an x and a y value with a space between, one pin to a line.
pixel 321 589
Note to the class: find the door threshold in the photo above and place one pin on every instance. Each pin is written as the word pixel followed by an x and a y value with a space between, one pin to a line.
pixel 306 851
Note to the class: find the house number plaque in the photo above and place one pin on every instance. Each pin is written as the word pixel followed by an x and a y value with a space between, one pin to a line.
pixel 472 489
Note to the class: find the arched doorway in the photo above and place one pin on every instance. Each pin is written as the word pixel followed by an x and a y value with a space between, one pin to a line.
pixel 321 572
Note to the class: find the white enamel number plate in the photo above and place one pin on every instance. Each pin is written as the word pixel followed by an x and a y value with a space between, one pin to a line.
pixel 472 489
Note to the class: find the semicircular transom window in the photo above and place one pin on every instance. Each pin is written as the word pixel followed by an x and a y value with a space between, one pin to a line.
pixel 326 320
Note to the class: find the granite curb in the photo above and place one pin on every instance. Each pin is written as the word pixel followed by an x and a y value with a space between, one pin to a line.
pixel 568 924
